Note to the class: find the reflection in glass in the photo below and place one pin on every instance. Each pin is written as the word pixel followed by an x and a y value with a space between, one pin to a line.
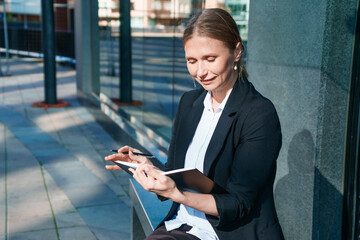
pixel 21 29
pixel 109 47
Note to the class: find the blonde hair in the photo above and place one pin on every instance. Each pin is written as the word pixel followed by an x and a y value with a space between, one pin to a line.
pixel 218 24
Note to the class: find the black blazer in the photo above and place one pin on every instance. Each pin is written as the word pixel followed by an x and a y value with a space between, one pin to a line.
pixel 241 157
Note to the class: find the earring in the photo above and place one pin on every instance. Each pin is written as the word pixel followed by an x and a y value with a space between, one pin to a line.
pixel 235 67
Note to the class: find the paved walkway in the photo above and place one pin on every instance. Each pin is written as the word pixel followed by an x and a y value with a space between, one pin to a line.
pixel 53 184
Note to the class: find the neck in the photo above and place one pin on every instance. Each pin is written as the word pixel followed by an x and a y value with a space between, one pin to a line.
pixel 218 96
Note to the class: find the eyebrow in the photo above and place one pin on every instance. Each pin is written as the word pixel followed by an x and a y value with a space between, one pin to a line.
pixel 203 57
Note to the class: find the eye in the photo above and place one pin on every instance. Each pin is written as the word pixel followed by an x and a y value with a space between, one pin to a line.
pixel 210 59
pixel 191 60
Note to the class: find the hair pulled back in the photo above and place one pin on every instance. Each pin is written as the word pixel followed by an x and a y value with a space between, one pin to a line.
pixel 218 24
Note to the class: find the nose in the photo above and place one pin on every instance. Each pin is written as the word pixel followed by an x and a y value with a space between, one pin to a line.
pixel 202 70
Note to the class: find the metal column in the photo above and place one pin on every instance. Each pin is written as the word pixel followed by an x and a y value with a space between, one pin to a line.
pixel 125 53
pixel 48 38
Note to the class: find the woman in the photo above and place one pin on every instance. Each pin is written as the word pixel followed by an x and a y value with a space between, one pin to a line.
pixel 229 132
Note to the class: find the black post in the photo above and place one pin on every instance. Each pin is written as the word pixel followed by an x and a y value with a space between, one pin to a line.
pixel 125 53
pixel 48 41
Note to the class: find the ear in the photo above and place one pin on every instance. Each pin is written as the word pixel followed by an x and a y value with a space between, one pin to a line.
pixel 237 52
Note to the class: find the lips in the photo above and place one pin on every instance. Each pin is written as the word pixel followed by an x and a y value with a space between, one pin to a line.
pixel 207 81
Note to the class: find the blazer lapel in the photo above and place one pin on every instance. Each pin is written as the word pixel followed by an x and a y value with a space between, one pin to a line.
pixel 188 126
pixel 232 107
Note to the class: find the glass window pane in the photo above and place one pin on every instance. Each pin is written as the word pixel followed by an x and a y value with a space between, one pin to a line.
pixel 109 47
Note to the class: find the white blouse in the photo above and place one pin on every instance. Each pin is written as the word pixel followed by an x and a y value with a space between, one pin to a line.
pixel 195 155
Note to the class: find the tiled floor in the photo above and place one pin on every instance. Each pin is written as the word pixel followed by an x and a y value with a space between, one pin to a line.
pixel 53 184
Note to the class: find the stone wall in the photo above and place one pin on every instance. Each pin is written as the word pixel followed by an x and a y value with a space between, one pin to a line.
pixel 299 55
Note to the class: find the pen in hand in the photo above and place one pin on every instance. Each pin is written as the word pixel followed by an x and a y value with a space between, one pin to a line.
pixel 136 153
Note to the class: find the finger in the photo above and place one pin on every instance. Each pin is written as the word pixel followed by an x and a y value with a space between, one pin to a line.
pixel 127 149
pixel 148 182
pixel 119 155
pixel 131 149
pixel 153 172
pixel 124 157
pixel 124 149
pixel 113 167
pixel 140 177
pixel 140 159
pixel 132 171
pixel 135 176
pixel 114 157
pixel 141 171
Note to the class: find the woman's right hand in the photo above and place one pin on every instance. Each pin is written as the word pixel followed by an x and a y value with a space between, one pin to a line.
pixel 130 157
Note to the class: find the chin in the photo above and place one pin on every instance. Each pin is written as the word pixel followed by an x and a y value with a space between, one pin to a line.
pixel 208 88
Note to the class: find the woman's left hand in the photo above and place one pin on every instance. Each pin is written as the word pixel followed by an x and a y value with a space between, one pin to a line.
pixel 150 178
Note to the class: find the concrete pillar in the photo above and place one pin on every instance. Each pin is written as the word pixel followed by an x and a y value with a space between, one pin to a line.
pixel 299 56
pixel 87 46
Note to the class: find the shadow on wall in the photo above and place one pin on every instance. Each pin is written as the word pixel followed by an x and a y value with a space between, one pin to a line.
pixel 295 193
